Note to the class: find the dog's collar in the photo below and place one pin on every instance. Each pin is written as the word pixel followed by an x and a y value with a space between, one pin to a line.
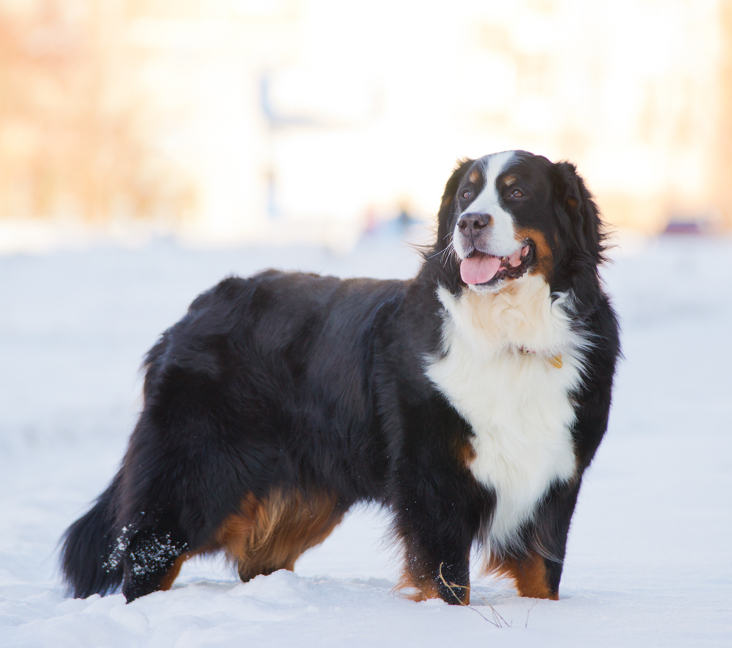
pixel 554 361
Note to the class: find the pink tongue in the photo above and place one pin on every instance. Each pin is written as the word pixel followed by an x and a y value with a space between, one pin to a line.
pixel 479 268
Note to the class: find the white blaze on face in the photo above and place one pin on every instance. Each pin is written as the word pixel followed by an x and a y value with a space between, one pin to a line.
pixel 501 240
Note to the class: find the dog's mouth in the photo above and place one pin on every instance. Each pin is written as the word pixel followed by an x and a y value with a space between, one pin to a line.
pixel 482 269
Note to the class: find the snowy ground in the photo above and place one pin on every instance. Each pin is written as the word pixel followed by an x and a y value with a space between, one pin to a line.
pixel 650 553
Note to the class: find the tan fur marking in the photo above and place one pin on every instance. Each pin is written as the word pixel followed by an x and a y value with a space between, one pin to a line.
pixel 529 575
pixel 271 534
pixel 423 588
pixel 509 180
pixel 170 577
pixel 545 259
pixel 466 453
pixel 474 176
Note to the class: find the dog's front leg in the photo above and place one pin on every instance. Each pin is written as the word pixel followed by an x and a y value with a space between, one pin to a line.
pixel 437 528
pixel 433 571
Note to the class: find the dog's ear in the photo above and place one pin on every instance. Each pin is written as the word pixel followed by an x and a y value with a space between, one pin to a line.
pixel 448 205
pixel 578 213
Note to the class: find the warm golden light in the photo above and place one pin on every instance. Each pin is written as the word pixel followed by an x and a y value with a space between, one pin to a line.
pixel 233 120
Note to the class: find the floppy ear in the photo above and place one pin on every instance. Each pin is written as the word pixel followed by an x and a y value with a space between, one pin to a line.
pixel 448 205
pixel 578 213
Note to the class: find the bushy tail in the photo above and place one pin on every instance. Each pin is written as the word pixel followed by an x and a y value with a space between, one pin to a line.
pixel 88 545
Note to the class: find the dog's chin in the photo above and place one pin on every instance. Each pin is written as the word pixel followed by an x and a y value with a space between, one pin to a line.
pixel 491 287
pixel 497 285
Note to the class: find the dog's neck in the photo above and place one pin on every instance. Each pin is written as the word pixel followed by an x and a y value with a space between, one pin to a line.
pixel 523 318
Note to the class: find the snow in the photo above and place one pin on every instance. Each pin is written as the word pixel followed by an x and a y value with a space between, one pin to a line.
pixel 649 560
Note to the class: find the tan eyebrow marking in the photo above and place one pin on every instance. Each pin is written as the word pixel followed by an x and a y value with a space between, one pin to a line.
pixel 474 176
pixel 509 180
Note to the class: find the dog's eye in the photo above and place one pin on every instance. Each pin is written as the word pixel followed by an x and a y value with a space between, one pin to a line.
pixel 467 194
pixel 517 193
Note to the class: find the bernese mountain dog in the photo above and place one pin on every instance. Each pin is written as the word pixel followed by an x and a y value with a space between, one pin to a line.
pixel 468 400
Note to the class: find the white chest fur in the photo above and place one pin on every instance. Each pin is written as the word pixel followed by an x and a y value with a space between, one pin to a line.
pixel 517 404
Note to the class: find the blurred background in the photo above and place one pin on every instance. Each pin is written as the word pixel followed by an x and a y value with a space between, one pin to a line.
pixel 150 147
pixel 281 121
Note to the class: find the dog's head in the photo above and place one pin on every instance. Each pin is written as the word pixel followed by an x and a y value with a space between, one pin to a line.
pixel 511 214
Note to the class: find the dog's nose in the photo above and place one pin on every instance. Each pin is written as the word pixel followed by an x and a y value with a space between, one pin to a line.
pixel 473 223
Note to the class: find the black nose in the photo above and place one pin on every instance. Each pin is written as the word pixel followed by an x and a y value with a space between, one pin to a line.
pixel 473 223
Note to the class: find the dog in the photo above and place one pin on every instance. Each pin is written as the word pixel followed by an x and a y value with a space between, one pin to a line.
pixel 468 400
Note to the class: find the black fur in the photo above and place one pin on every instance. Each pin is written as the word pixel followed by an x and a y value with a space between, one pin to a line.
pixel 296 383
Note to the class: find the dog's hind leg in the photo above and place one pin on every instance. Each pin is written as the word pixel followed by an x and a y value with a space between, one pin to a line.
pixel 173 501
pixel 183 473
pixel 271 533
pixel 151 562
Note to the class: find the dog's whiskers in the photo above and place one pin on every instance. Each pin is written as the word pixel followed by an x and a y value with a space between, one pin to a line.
pixel 446 252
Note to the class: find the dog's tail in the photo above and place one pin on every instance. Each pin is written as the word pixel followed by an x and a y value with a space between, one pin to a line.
pixel 88 551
